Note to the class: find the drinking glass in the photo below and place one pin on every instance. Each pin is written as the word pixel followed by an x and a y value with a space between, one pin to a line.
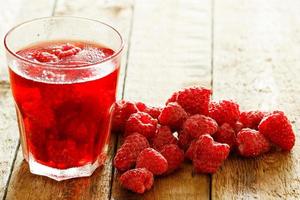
pixel 63 111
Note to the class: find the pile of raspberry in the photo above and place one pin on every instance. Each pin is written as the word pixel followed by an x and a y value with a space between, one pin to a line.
pixel 191 127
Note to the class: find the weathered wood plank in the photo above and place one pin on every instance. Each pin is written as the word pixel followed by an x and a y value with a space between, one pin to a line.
pixel 170 49
pixel 8 136
pixel 257 63
pixel 23 184
pixel 16 11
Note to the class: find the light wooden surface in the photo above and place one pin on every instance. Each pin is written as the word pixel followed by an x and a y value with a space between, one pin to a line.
pixel 256 62
pixel 245 50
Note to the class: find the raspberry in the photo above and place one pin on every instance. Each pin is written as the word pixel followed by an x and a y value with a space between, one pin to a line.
pixel 189 154
pixel 122 111
pixel 224 111
pixel 153 161
pixel 141 106
pixel 142 123
pixel 226 134
pixel 163 137
pixel 174 155
pixel 77 129
pixel 238 126
pixel 209 155
pixel 66 50
pixel 44 57
pixel 67 47
pixel 251 143
pixel 62 153
pixel 39 112
pixel 277 128
pixel 37 138
pixel 137 180
pixel 193 100
pixel 184 140
pixel 107 52
pixel 251 119
pixel 127 154
pixel 153 111
pixel 172 115
pixel 173 98
pixel 197 125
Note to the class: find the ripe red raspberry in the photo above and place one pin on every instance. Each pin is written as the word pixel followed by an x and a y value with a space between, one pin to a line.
pixel 173 98
pixel 193 100
pixel 190 152
pixel 226 134
pixel 62 153
pixel 122 111
pixel 251 119
pixel 197 125
pixel 137 180
pixel 209 155
pixel 66 50
pixel 184 140
pixel 277 128
pixel 172 115
pixel 153 111
pixel 153 161
pixel 174 155
pixel 39 112
pixel 128 152
pixel 163 137
pixel 238 126
pixel 141 106
pixel 251 143
pixel 142 123
pixel 107 52
pixel 224 111
pixel 44 57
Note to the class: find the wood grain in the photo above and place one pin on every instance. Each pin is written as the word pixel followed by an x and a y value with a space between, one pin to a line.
pixel 256 62
pixel 17 11
pixel 8 136
pixel 25 185
pixel 170 49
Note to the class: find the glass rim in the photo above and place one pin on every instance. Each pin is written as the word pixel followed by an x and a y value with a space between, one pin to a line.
pixel 56 66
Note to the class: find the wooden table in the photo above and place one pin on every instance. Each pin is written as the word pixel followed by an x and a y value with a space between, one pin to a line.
pixel 244 50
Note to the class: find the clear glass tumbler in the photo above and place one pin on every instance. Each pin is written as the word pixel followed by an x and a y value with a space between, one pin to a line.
pixel 64 112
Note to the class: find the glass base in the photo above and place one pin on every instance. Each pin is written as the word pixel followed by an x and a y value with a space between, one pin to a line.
pixel 62 174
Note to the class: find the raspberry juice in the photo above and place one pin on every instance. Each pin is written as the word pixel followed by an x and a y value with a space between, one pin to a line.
pixel 63 110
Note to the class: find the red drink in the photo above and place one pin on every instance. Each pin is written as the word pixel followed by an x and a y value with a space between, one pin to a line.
pixel 65 124
pixel 64 84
